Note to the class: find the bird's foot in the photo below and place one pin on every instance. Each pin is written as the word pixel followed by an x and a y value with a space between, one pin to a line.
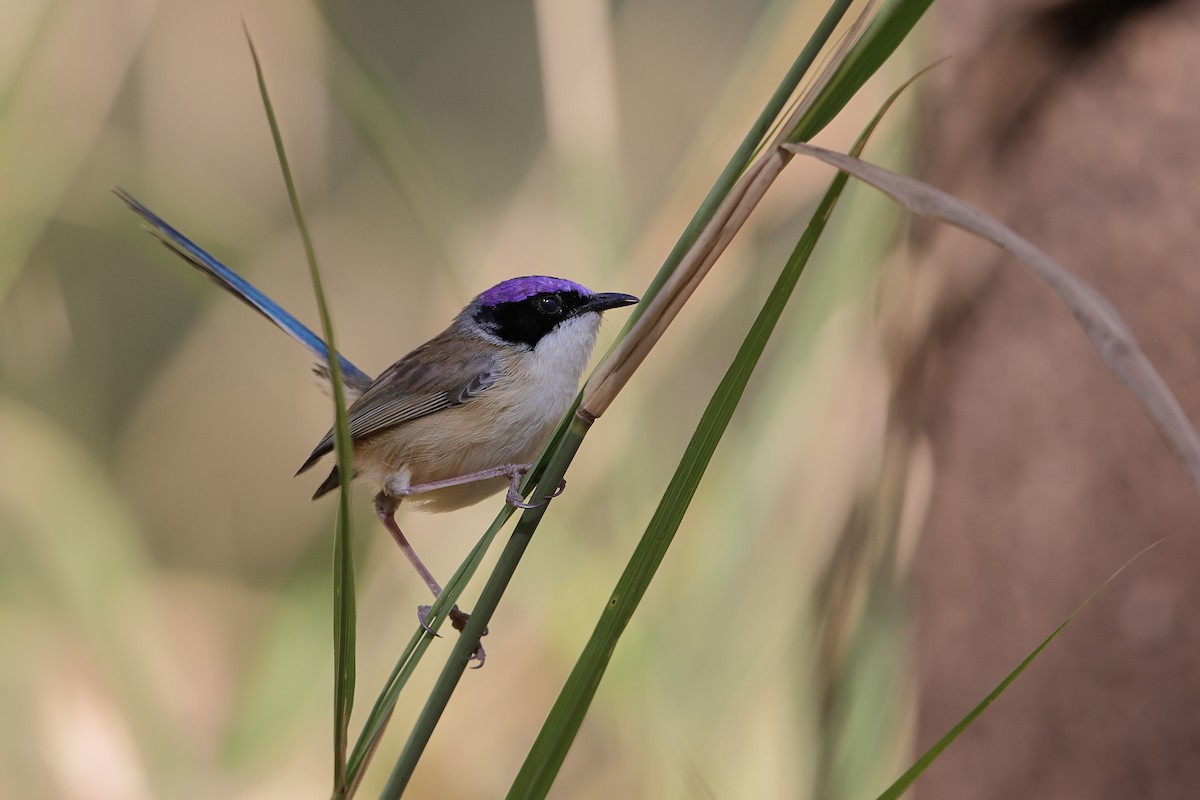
pixel 514 498
pixel 458 619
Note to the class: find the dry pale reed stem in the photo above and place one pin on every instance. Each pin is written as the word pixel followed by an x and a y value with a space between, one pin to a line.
pixel 612 375
pixel 616 370
pixel 1112 339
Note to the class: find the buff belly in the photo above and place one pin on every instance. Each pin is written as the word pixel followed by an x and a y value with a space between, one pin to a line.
pixel 450 444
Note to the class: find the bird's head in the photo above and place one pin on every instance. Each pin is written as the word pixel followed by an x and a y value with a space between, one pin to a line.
pixel 538 311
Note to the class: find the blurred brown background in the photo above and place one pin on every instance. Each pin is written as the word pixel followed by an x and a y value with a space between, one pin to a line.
pixel 1077 124
pixel 931 467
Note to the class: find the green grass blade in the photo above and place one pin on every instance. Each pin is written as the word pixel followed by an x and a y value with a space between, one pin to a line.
pixel 745 152
pixel 380 714
pixel 343 562
pixel 905 781
pixel 489 599
pixel 546 756
pixel 561 454
pixel 881 38
pixel 377 719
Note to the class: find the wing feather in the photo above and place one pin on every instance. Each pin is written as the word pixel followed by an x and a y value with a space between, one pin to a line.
pixel 422 383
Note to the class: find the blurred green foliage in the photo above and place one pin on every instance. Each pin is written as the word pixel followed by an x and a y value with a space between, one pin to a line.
pixel 164 580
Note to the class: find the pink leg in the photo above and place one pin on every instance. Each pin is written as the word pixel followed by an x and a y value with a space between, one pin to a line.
pixel 385 509
pixel 511 471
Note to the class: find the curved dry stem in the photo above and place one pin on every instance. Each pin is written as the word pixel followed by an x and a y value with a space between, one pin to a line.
pixel 1105 329
pixel 616 370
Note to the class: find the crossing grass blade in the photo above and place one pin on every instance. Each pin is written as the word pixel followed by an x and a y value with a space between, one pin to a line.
pixel 380 714
pixel 736 193
pixel 744 154
pixel 1105 329
pixel 343 562
pixel 489 599
pixel 867 51
pixel 905 781
pixel 886 31
pixel 558 732
pixel 897 24
pixel 559 454
pixel 381 711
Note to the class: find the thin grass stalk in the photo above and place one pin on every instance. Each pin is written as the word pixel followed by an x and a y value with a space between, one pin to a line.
pixel 381 712
pixel 343 561
pixel 823 98
pixel 773 163
pixel 905 781
pixel 377 719
pixel 553 742
pixel 826 96
pixel 584 416
pixel 579 423
pixel 887 30
pixel 380 715
pixel 741 158
pixel 489 599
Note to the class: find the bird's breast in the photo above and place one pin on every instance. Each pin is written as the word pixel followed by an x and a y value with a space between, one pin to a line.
pixel 507 424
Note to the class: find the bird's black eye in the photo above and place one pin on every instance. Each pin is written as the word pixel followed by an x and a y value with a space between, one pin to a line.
pixel 549 304
pixel 525 320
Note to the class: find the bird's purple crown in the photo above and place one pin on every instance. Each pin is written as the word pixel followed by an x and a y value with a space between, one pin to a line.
pixel 515 290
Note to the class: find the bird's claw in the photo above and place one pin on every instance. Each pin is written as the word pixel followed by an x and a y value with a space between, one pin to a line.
pixel 458 619
pixel 422 616
pixel 514 496
pixel 479 655
pixel 514 499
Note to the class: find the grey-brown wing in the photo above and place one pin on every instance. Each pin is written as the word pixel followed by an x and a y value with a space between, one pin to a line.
pixel 415 386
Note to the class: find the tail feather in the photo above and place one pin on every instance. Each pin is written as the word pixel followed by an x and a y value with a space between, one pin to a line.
pixel 354 378
pixel 332 482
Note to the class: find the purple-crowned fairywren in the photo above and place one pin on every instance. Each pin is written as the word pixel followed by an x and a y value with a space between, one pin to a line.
pixel 462 416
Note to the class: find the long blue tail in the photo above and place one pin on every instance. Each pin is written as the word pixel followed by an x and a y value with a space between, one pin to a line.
pixel 223 276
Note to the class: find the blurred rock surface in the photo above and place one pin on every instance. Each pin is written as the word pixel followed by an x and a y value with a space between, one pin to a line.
pixel 1078 125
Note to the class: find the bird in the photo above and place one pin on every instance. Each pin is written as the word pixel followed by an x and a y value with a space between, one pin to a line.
pixel 463 415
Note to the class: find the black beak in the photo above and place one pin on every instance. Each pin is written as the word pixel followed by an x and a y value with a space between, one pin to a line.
pixel 604 301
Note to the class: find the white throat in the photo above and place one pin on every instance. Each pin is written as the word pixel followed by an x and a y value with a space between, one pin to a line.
pixel 556 364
